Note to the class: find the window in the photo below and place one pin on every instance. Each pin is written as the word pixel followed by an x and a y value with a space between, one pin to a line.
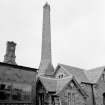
pixel 57 101
pixel 41 98
pixel 5 90
pixel 15 92
pixel 60 76
pixel 21 92
pixel 71 98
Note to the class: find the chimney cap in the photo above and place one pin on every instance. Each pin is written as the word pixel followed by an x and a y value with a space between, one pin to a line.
pixel 11 43
pixel 46 5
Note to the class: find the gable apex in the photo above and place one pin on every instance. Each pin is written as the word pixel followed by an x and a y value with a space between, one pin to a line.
pixel 75 71
pixel 94 75
pixel 73 80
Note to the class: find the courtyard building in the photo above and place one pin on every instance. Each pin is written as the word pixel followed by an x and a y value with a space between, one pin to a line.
pixel 64 85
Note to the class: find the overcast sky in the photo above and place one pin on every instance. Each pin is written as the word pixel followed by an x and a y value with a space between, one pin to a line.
pixel 77 28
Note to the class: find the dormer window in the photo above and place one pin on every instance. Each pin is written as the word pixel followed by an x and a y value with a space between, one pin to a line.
pixel 60 76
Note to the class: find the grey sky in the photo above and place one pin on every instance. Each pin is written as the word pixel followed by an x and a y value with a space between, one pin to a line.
pixel 77 28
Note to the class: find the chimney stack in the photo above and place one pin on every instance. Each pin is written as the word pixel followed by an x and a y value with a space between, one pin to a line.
pixel 46 67
pixel 10 53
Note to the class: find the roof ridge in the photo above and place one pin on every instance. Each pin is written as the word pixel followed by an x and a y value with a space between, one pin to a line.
pixel 96 68
pixel 70 76
pixel 71 66
pixel 77 72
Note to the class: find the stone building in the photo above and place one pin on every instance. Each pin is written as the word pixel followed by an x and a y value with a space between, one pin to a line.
pixel 16 82
pixel 64 85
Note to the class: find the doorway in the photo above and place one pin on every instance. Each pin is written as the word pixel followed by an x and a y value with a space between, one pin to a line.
pixel 103 98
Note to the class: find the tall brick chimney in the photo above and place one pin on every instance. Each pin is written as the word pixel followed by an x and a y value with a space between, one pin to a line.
pixel 46 67
pixel 10 53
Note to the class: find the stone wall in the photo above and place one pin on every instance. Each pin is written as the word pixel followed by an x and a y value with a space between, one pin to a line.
pixel 99 89
pixel 88 89
pixel 71 95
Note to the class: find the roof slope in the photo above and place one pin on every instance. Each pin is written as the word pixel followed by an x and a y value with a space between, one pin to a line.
pixel 50 84
pixel 18 67
pixel 93 75
pixel 53 84
pixel 57 85
pixel 77 72
pixel 11 74
pixel 61 83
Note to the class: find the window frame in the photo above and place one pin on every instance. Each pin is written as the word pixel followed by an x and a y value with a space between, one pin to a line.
pixel 25 95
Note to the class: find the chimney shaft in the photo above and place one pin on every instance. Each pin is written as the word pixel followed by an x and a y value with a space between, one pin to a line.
pixel 46 34
pixel 46 60
pixel 10 53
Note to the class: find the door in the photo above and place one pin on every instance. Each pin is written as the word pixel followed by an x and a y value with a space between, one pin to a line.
pixel 103 98
pixel 41 99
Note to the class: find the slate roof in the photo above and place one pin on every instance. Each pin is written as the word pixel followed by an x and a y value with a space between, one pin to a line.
pixel 77 72
pixel 15 73
pixel 61 83
pixel 53 84
pixel 93 75
pixel 81 75
pixel 18 67
pixel 49 84
pixel 57 85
